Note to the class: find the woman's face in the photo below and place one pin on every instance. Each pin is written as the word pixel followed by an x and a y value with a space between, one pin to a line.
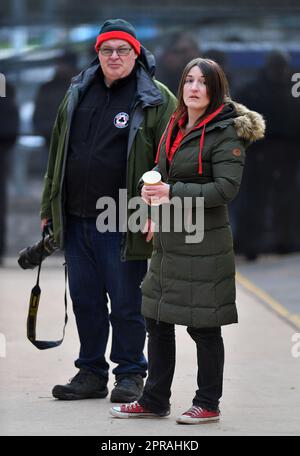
pixel 195 94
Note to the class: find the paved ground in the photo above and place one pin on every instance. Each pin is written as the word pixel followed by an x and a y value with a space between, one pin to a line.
pixel 261 384
pixel 23 221
pixel 275 278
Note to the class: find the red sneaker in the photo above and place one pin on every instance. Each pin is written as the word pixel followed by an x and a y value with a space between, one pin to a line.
pixel 198 415
pixel 135 410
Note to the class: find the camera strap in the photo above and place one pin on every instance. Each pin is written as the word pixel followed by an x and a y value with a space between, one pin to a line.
pixel 33 310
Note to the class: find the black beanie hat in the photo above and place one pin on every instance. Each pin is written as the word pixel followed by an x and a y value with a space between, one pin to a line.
pixel 118 29
pixel 112 25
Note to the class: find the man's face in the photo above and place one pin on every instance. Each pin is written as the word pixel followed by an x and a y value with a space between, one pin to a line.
pixel 116 66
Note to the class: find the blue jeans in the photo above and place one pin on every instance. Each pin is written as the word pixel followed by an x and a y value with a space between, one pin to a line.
pixel 95 273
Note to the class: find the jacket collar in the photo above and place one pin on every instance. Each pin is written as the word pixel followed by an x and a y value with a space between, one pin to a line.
pixel 249 125
pixel 147 91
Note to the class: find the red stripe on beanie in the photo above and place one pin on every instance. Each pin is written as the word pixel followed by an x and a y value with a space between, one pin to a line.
pixel 118 35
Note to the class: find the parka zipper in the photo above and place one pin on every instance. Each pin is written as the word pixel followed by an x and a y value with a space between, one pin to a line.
pixel 180 145
pixel 161 275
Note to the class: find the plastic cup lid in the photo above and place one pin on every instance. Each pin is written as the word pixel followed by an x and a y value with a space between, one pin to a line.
pixel 151 177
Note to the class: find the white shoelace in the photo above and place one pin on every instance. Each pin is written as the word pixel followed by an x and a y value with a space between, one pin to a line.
pixel 132 405
pixel 194 411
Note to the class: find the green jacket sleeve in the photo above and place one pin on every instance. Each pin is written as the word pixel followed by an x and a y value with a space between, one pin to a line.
pixel 164 113
pixel 228 157
pixel 45 209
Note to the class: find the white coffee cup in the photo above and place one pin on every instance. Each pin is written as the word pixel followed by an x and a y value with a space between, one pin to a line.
pixel 152 178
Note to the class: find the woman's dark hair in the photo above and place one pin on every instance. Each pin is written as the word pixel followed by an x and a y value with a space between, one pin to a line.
pixel 216 83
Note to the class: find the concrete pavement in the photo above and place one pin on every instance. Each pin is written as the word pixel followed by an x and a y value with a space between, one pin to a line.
pixel 275 280
pixel 261 382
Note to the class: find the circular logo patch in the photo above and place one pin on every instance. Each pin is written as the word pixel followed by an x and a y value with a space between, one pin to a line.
pixel 121 120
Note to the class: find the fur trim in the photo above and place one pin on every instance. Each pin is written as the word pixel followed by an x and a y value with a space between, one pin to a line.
pixel 249 125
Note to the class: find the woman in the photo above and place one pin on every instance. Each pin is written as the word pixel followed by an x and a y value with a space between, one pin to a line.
pixel 201 154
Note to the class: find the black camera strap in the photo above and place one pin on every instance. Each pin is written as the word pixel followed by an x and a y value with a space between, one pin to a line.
pixel 33 310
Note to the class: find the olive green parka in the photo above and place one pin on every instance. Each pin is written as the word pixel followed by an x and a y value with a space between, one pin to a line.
pixel 193 284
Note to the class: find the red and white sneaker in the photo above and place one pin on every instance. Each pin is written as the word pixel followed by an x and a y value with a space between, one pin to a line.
pixel 135 410
pixel 198 415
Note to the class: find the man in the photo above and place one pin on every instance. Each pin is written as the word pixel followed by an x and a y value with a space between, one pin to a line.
pixel 105 137
pixel 178 49
pixel 265 217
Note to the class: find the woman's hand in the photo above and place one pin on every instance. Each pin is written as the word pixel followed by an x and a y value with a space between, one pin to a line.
pixel 158 192
pixel 145 197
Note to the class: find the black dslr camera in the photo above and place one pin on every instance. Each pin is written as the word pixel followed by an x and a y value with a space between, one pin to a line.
pixel 30 257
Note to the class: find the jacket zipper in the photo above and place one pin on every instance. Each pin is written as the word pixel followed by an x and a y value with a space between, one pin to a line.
pixel 91 150
pixel 178 150
pixel 161 276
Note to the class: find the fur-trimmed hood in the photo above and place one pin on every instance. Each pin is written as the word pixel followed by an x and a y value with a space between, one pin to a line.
pixel 249 125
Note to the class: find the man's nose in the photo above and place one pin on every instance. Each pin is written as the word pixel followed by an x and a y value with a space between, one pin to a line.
pixel 115 55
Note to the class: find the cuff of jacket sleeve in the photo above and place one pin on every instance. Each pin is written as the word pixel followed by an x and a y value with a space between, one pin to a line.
pixel 140 186
pixel 45 215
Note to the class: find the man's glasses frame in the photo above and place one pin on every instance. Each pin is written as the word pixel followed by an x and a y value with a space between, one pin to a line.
pixel 121 51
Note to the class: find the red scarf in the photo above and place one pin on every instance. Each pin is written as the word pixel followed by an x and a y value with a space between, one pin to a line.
pixel 170 151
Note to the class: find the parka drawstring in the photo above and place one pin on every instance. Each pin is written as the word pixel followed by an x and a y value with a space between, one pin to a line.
pixel 201 149
pixel 168 132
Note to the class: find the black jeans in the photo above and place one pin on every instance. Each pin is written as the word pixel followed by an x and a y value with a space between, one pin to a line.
pixel 161 366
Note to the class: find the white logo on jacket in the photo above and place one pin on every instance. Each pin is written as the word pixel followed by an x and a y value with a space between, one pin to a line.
pixel 121 120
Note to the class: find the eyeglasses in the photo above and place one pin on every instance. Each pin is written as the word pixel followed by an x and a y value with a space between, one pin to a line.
pixel 108 52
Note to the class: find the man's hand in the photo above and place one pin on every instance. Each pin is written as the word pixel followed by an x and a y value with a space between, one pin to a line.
pixel 43 223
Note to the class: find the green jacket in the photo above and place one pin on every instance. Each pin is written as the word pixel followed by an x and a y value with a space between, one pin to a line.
pixel 193 284
pixel 153 107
